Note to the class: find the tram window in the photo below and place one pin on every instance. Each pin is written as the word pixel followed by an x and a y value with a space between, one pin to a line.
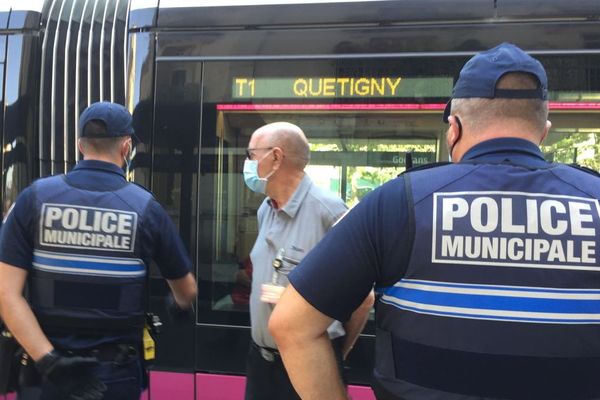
pixel 353 150
pixel 348 166
pixel 16 171
pixel 574 145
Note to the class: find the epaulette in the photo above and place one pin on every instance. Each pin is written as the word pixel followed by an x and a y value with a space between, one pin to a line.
pixel 584 169
pixel 426 166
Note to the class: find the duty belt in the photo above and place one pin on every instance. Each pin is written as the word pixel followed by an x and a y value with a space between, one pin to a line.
pixel 118 353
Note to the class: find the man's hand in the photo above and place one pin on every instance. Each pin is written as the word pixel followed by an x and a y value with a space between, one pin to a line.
pixel 72 376
pixel 178 313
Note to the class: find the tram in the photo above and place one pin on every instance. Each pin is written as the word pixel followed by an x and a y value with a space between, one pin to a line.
pixel 366 80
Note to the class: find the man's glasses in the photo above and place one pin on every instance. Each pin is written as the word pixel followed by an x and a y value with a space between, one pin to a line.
pixel 250 152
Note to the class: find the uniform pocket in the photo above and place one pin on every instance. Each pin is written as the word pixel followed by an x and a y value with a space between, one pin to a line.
pixel 123 389
pixel 123 379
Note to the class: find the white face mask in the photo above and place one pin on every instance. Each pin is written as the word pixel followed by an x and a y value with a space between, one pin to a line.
pixel 251 178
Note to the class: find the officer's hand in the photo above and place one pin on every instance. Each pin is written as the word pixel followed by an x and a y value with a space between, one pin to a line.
pixel 72 376
pixel 176 312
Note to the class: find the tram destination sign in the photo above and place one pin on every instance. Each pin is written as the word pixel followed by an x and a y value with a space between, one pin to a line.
pixel 340 87
pixel 370 158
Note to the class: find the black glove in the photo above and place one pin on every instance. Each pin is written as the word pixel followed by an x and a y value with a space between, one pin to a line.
pixel 72 376
pixel 176 312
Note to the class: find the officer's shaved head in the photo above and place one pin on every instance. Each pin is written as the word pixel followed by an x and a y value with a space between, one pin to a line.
pixel 289 138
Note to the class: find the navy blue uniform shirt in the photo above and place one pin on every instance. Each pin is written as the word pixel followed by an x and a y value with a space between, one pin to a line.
pixel 486 273
pixel 373 237
pixel 160 239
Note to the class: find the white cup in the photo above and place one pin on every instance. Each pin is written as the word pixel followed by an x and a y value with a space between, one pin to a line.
pixel 271 293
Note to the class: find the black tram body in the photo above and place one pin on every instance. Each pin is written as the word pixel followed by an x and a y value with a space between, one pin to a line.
pixel 200 76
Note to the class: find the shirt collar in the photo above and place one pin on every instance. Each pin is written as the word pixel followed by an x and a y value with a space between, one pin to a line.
pixel 293 205
pixel 517 150
pixel 98 165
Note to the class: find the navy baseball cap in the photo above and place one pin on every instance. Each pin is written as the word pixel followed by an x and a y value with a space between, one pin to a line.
pixel 116 118
pixel 479 76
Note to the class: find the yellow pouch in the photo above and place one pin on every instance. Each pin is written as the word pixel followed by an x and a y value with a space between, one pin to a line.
pixel 149 347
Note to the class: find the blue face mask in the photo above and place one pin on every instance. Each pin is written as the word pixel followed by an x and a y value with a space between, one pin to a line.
pixel 251 178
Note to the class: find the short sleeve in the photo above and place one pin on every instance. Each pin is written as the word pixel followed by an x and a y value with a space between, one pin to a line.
pixel 331 209
pixel 16 233
pixel 166 247
pixel 339 209
pixel 368 246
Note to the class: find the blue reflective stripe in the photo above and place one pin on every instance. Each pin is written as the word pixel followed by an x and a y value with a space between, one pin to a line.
pixel 493 302
pixel 497 287
pixel 80 264
pixel 66 263
pixel 490 317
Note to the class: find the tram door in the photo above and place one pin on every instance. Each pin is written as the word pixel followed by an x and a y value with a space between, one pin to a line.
pixel 361 118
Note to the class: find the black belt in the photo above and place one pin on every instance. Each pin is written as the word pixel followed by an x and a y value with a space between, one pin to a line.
pixel 118 353
pixel 270 354
pixel 267 353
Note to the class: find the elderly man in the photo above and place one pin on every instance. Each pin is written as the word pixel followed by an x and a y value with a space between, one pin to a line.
pixel 82 242
pixel 486 269
pixel 291 221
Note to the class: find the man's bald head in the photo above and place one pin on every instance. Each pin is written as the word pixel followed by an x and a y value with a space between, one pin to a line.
pixel 289 138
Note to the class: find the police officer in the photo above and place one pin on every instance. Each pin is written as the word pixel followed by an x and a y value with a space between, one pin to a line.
pixel 82 242
pixel 486 269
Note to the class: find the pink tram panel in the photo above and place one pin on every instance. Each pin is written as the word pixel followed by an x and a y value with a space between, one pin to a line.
pixel 173 385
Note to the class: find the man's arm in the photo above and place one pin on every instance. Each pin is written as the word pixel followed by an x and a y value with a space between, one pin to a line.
pixel 72 375
pixel 300 331
pixel 184 290
pixel 17 314
pixel 356 323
